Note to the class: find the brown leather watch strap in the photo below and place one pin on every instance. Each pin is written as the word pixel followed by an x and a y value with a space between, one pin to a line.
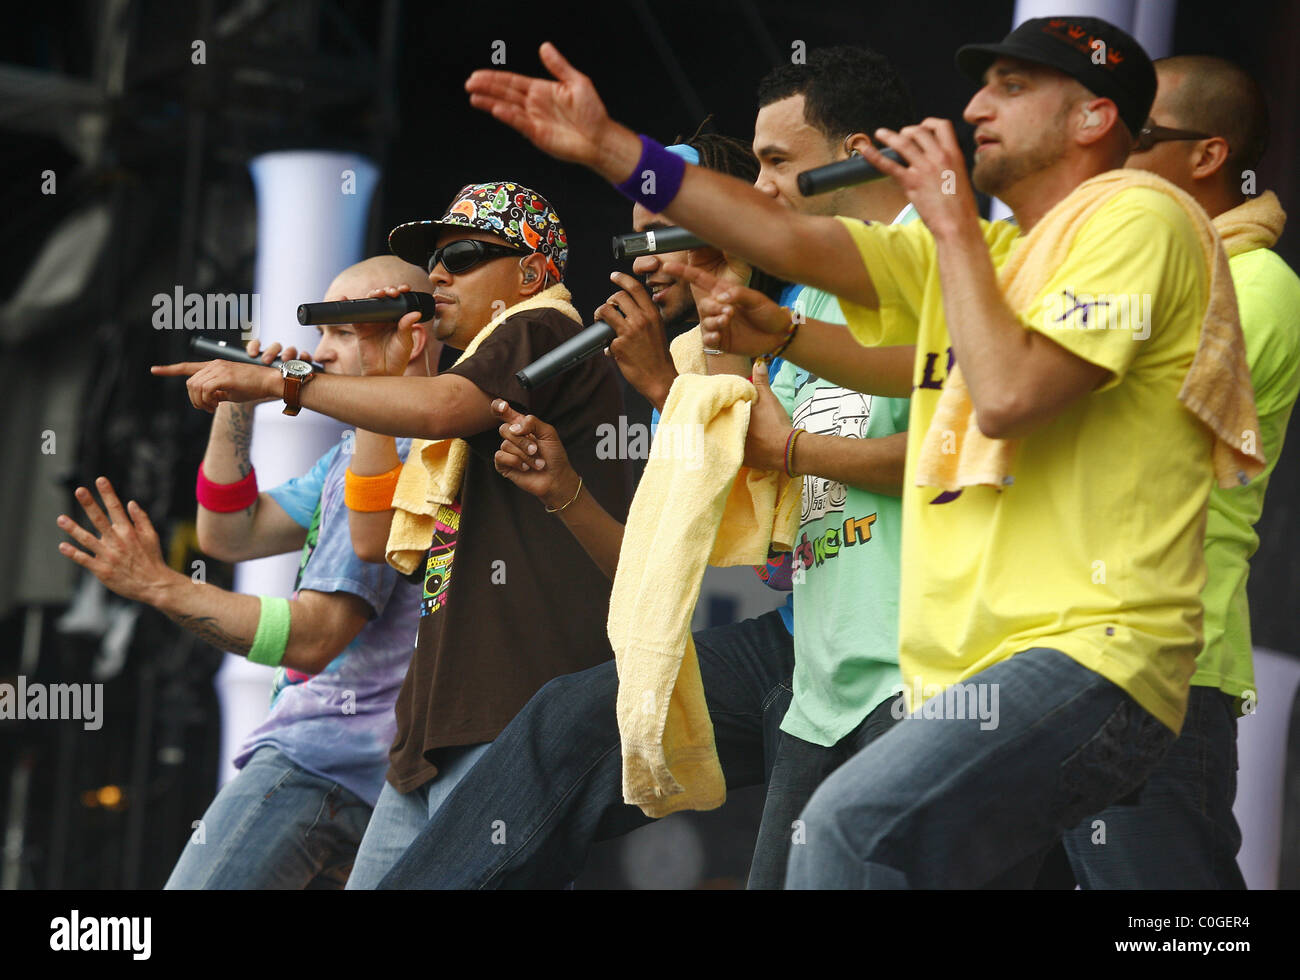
pixel 293 393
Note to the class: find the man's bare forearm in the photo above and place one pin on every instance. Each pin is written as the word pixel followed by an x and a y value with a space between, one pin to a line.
pixel 742 221
pixel 869 464
pixel 829 351
pixel 228 460
pixel 227 620
pixel 374 455
pixel 987 339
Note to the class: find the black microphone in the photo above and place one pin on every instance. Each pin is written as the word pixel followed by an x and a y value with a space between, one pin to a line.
pixel 842 173
pixel 671 239
pixel 574 350
pixel 367 310
pixel 223 350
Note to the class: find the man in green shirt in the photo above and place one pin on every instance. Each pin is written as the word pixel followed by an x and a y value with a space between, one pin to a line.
pixel 1206 133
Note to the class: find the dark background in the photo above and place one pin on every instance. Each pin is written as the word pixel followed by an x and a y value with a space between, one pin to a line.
pixel 170 168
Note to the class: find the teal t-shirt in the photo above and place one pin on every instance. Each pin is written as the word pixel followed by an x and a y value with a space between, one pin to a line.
pixel 846 559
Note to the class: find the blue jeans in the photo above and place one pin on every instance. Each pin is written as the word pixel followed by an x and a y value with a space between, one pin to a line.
pixel 551 784
pixel 1180 831
pixel 274 826
pixel 399 817
pixel 959 802
pixel 798 769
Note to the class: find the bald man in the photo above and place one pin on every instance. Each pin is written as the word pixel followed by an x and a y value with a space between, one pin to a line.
pixel 1206 133
pixel 311 773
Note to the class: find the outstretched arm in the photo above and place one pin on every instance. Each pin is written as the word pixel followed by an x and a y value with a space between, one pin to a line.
pixel 567 119
pixel 126 556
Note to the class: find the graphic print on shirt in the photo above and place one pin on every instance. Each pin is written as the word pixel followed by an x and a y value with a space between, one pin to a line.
pixel 829 412
pixel 437 570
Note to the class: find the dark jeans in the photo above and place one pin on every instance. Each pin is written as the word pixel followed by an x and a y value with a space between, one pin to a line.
pixel 947 800
pixel 797 771
pixel 1180 831
pixel 551 784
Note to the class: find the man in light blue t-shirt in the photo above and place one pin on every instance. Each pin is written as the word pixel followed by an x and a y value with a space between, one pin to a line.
pixel 310 774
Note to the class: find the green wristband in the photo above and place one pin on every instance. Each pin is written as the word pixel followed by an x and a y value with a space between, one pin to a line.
pixel 272 635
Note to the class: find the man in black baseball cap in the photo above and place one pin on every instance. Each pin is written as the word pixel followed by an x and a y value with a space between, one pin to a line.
pixel 1099 56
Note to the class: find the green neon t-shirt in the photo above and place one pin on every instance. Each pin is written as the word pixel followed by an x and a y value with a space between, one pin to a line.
pixel 1268 299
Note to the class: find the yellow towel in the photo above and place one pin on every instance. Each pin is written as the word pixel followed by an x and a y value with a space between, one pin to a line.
pixel 1257 223
pixel 435 469
pixel 670 762
pixel 687 350
pixel 1217 387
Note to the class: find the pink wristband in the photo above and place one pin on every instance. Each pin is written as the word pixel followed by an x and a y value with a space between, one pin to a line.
pixel 226 498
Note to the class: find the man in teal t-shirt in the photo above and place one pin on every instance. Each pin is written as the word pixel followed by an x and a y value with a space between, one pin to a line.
pixel 846 685
pixel 1180 831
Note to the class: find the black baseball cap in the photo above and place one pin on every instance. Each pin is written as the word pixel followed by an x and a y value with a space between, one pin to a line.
pixel 1116 69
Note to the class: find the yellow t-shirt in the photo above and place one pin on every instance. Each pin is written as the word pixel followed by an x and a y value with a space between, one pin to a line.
pixel 1096 547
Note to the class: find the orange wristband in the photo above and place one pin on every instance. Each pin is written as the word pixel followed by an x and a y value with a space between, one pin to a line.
pixel 370 494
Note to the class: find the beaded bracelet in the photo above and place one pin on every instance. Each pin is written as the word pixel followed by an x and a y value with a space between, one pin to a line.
pixel 790 331
pixel 789 452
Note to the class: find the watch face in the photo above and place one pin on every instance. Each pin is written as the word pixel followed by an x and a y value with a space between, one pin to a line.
pixel 295 369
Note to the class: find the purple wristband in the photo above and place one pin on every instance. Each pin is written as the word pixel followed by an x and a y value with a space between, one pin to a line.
pixel 656 179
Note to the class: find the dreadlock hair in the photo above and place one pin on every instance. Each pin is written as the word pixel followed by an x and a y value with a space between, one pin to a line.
pixel 730 156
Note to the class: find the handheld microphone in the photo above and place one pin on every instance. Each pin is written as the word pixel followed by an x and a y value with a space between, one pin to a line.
pixel 222 349
pixel 842 173
pixel 367 310
pixel 671 239
pixel 574 350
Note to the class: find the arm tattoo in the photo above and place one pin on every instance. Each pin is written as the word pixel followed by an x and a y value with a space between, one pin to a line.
pixel 241 435
pixel 206 629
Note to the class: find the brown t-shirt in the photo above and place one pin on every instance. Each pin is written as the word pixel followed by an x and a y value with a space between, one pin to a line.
pixel 525 603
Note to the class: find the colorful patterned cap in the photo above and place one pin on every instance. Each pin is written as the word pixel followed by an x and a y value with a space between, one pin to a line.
pixel 511 211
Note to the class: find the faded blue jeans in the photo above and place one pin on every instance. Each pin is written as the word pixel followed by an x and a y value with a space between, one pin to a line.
pixel 274 825
pixel 1180 831
pixel 551 784
pixel 944 801
pixel 399 817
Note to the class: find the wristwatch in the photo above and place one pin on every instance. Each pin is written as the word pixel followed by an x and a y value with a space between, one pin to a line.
pixel 296 374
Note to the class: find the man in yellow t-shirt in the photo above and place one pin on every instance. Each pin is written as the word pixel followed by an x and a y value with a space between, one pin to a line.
pixel 1206 134
pixel 1064 607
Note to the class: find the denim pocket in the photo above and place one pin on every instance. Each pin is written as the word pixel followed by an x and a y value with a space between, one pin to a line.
pixel 1113 763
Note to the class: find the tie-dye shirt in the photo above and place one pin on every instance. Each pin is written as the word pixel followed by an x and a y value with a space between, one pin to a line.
pixel 339 724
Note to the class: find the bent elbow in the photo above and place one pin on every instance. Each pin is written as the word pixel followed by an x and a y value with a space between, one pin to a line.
pixel 1003 419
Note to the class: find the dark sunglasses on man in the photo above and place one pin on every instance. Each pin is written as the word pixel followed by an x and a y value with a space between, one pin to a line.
pixel 465 253
pixel 1149 135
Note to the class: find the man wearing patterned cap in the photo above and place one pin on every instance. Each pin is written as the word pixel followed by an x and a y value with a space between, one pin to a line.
pixel 518 610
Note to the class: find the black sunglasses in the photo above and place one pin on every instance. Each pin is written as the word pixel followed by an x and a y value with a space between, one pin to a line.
pixel 465 253
pixel 1149 136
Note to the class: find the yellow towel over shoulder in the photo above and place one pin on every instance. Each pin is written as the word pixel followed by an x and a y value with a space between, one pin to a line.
pixel 1217 388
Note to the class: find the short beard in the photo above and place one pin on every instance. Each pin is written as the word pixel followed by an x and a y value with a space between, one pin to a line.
pixel 996 177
